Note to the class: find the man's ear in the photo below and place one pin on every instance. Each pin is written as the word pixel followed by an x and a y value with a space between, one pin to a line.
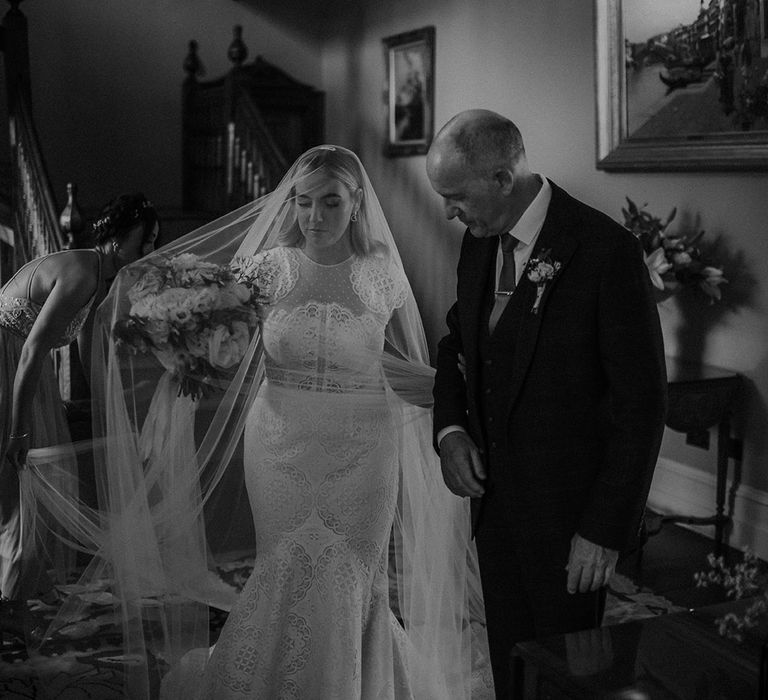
pixel 505 179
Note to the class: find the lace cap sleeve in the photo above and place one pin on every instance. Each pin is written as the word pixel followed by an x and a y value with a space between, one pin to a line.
pixel 380 284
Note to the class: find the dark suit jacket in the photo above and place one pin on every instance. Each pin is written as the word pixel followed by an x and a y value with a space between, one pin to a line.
pixel 586 382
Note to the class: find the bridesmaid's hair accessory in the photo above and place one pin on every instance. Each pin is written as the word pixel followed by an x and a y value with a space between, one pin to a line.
pixel 121 214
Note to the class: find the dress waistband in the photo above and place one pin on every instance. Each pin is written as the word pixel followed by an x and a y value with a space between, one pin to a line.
pixel 326 383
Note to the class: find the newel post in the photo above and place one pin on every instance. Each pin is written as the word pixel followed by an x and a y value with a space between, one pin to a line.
pixel 193 68
pixel 71 221
pixel 237 53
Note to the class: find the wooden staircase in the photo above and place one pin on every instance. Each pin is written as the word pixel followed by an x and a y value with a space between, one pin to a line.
pixel 242 131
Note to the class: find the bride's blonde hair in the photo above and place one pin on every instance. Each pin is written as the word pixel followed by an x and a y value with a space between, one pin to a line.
pixel 341 165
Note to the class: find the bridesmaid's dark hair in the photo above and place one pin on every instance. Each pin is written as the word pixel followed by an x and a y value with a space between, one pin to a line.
pixel 122 214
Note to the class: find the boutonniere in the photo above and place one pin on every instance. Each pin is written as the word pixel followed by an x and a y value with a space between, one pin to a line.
pixel 541 270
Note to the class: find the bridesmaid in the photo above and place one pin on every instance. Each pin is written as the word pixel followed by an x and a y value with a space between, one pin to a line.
pixel 49 303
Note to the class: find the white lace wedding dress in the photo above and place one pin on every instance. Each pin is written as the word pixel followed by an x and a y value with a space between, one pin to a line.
pixel 314 618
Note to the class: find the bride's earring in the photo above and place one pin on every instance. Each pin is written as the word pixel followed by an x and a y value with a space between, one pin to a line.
pixel 354 216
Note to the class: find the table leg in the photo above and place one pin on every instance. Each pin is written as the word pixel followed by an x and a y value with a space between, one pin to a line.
pixel 517 677
pixel 723 438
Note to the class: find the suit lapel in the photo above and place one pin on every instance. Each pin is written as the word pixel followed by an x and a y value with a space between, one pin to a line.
pixel 556 238
pixel 475 295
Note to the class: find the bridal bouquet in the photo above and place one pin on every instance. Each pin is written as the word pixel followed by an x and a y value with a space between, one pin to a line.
pixel 673 261
pixel 197 318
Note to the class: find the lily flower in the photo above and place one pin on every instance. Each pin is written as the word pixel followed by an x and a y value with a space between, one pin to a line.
pixel 710 285
pixel 657 265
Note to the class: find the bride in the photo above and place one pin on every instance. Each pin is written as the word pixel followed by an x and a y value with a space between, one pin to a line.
pixel 313 460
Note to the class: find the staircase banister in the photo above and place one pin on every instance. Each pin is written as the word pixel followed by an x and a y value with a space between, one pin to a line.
pixel 24 134
pixel 273 153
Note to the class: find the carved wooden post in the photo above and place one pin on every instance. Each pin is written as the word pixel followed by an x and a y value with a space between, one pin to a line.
pixel 72 222
pixel 192 68
pixel 73 384
pixel 237 53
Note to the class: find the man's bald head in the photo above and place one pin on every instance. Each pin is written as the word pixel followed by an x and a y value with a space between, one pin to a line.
pixel 477 164
pixel 484 140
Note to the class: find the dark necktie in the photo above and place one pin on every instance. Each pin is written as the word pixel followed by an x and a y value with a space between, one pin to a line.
pixel 507 279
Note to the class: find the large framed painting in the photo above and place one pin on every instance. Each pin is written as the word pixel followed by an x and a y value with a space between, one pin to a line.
pixel 682 85
pixel 410 59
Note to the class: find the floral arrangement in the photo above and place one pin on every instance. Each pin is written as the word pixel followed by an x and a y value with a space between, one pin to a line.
pixel 197 318
pixel 743 579
pixel 673 262
pixel 541 270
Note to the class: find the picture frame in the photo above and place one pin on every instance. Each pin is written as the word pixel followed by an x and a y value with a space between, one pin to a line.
pixel 410 92
pixel 660 143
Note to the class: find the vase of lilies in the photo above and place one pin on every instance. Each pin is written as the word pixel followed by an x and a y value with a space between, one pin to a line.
pixel 674 261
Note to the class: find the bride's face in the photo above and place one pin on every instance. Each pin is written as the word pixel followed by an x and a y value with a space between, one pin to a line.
pixel 324 207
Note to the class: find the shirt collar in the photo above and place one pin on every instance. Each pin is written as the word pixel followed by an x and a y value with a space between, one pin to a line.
pixel 530 223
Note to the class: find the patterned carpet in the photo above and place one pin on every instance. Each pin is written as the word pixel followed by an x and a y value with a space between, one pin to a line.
pixel 87 661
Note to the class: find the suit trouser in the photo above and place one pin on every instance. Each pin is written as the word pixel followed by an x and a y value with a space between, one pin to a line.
pixel 525 595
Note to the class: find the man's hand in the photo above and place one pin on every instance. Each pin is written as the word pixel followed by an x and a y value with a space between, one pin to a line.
pixel 16 452
pixel 590 566
pixel 462 464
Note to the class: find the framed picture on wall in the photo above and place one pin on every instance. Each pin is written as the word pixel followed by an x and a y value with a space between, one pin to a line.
pixel 410 59
pixel 681 85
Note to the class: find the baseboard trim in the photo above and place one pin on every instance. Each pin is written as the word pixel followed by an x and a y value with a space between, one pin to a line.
pixel 682 490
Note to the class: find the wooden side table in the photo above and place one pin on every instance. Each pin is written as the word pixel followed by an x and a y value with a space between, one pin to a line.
pixel 702 397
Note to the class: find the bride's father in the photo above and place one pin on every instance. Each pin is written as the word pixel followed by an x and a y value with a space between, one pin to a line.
pixel 550 390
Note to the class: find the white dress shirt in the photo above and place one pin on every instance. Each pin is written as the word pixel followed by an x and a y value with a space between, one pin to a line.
pixel 526 231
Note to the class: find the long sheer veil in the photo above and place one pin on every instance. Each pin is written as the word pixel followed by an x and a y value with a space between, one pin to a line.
pixel 172 509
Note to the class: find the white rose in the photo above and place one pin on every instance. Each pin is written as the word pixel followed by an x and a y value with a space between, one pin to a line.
pixel 227 347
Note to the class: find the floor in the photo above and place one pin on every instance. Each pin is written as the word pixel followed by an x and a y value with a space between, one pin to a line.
pixel 669 561
pixel 661 580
